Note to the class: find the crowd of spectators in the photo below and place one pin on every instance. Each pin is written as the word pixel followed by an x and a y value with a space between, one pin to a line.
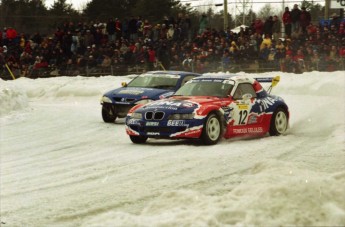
pixel 174 44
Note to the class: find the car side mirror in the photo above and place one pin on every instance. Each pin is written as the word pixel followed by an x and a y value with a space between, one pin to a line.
pixel 124 84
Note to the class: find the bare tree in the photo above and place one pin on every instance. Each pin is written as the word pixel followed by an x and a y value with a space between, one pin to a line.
pixel 266 11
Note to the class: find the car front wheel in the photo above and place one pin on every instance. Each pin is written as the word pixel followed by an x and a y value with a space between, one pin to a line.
pixel 279 122
pixel 108 114
pixel 138 139
pixel 212 130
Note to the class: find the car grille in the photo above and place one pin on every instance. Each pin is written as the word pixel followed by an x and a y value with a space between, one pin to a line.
pixel 154 115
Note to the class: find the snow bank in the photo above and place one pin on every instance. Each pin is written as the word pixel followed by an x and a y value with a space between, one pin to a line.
pixel 12 98
pixel 14 95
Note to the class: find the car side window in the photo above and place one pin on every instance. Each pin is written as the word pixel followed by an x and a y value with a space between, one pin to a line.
pixel 244 89
pixel 186 79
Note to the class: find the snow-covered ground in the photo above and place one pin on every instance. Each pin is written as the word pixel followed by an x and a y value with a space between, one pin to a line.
pixel 62 166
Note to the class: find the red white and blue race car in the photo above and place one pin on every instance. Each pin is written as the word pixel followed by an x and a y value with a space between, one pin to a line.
pixel 211 107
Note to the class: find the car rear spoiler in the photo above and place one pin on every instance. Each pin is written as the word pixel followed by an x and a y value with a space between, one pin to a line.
pixel 273 80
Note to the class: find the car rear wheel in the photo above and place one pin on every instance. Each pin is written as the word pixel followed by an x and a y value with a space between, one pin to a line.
pixel 138 139
pixel 279 122
pixel 212 130
pixel 108 114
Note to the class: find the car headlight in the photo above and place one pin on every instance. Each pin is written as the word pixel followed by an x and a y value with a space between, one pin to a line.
pixel 105 99
pixel 137 115
pixel 143 101
pixel 181 116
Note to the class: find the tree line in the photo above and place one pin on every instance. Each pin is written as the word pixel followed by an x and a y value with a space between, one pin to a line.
pixel 30 16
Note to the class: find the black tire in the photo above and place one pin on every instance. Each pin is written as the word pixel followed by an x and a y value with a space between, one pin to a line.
pixel 212 130
pixel 108 114
pixel 279 122
pixel 138 139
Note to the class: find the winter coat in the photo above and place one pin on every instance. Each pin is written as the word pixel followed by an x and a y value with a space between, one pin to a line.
pixel 203 23
pixel 304 18
pixel 287 17
pixel 111 27
pixel 295 15
pixel 11 33
pixel 258 25
pixel 276 26
pixel 268 26
pixel 152 55
pixel 266 41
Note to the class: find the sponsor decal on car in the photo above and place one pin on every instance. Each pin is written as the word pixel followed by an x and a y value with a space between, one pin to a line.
pixel 242 107
pixel 169 105
pixel 153 133
pixel 133 122
pixel 188 104
pixel 163 103
pixel 152 123
pixel 176 123
pixel 131 92
pixel 161 107
pixel 248 130
pixel 252 119
pixel 266 103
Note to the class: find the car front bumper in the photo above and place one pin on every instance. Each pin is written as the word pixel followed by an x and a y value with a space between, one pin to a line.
pixel 164 128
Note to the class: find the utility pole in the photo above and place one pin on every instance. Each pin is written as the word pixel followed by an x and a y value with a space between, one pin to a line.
pixel 225 14
pixel 327 5
pixel 282 27
pixel 242 7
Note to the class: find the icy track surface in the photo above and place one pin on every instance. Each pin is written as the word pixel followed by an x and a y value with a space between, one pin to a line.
pixel 62 166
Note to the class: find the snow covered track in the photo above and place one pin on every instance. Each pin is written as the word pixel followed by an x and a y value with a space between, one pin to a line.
pixel 62 166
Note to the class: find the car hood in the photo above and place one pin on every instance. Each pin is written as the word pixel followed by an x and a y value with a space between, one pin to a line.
pixel 137 93
pixel 181 104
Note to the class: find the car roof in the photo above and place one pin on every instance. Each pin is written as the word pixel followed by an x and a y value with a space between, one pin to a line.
pixel 172 72
pixel 234 77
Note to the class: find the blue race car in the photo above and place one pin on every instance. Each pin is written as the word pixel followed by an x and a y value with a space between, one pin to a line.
pixel 209 108
pixel 142 89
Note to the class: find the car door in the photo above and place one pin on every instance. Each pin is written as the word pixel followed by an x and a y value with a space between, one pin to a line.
pixel 245 112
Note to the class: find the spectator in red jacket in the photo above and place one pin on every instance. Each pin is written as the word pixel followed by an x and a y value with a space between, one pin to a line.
pixel 342 51
pixel 40 62
pixel 258 26
pixel 150 58
pixel 11 35
pixel 304 19
pixel 287 21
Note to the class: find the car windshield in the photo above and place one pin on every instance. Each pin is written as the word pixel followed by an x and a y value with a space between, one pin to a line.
pixel 162 81
pixel 206 88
